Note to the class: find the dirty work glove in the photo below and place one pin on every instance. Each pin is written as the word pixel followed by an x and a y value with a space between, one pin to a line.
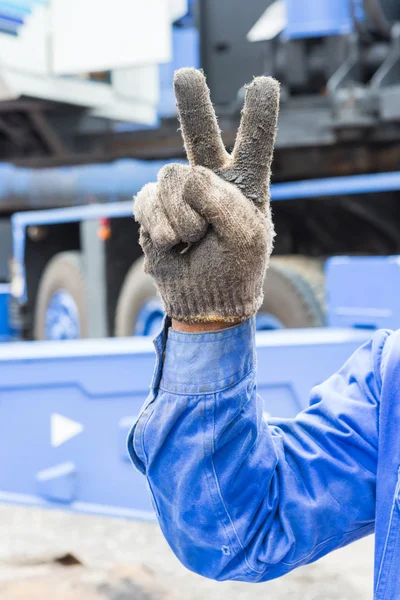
pixel 206 229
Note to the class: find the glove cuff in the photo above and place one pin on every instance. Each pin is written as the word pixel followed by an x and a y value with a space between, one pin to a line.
pixel 207 303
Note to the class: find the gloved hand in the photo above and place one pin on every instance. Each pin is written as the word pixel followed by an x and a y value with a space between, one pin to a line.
pixel 206 229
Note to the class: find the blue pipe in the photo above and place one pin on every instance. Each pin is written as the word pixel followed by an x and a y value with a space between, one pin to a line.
pixel 74 186
pixel 88 184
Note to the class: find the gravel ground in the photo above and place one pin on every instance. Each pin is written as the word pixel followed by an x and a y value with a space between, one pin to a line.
pixel 125 560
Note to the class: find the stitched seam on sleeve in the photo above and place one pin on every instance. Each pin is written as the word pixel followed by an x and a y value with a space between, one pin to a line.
pixel 382 359
pixel 223 502
pixel 207 475
pixel 144 426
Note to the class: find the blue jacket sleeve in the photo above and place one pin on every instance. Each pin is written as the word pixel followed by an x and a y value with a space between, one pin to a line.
pixel 245 498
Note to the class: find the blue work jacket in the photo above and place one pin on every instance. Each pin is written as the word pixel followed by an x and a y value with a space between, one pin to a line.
pixel 242 497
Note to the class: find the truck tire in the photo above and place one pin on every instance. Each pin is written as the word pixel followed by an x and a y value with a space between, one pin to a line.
pixel 60 311
pixel 139 309
pixel 310 269
pixel 291 297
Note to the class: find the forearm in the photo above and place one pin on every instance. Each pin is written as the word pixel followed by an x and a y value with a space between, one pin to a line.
pixel 238 498
pixel 200 327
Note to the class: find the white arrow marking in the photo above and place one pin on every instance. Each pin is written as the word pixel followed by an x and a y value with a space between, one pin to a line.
pixel 63 429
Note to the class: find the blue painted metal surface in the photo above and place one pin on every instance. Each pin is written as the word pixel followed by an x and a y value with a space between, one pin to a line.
pixel 318 18
pixel 13 14
pixel 58 483
pixel 6 332
pixel 363 292
pixel 189 19
pixel 62 317
pixel 337 186
pixel 67 407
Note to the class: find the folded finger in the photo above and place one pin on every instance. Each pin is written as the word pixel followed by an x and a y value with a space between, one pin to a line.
pixel 186 222
pixel 227 210
pixel 149 212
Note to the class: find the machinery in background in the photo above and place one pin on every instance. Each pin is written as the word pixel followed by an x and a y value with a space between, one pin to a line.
pixel 339 67
pixel 78 271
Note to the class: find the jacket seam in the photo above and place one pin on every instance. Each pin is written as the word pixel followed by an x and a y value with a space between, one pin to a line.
pixel 379 372
pixel 142 433
pixel 380 573
pixel 207 478
pixel 222 499
pixel 211 392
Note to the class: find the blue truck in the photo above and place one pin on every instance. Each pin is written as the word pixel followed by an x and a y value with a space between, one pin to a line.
pixel 77 272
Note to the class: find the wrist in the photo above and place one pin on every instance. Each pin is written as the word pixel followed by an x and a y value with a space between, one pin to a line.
pixel 202 327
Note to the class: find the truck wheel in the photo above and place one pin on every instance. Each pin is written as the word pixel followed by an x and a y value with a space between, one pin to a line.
pixel 60 312
pixel 139 310
pixel 310 269
pixel 290 300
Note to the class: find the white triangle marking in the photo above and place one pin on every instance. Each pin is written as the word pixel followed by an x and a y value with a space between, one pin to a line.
pixel 63 429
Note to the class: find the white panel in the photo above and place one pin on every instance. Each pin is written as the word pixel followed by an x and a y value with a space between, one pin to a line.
pixel 99 97
pixel 270 24
pixel 69 90
pixel 98 35
pixel 177 9
pixel 132 111
pixel 139 83
pixel 28 51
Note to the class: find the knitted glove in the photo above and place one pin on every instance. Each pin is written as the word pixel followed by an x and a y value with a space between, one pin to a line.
pixel 206 229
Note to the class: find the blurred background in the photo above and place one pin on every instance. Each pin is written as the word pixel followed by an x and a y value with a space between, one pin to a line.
pixel 87 117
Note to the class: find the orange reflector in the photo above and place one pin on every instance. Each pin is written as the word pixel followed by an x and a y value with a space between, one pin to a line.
pixel 104 230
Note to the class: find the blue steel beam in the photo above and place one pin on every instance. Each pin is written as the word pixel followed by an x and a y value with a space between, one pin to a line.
pixel 337 186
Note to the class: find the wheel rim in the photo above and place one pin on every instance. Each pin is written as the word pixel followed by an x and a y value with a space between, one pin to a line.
pixel 268 322
pixel 62 317
pixel 150 318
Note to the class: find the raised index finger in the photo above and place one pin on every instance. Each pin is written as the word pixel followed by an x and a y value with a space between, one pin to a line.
pixel 200 131
pixel 254 147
